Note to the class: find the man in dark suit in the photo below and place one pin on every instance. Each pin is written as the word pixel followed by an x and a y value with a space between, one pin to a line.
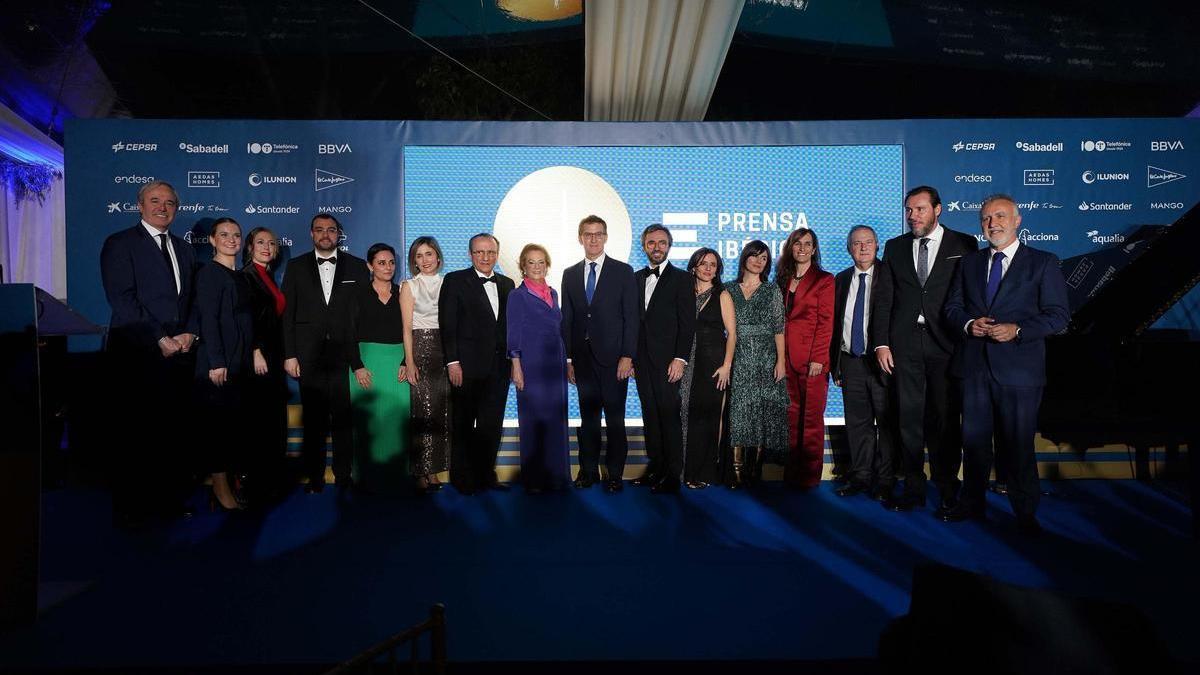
pixel 865 387
pixel 318 287
pixel 147 276
pixel 913 339
pixel 600 331
pixel 1005 300
pixel 471 313
pixel 667 323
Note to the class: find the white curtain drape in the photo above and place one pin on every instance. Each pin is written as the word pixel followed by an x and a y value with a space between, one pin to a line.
pixel 654 60
pixel 33 234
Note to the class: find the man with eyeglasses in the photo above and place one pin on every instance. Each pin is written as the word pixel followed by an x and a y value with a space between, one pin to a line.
pixel 600 330
pixel 471 312
pixel 318 287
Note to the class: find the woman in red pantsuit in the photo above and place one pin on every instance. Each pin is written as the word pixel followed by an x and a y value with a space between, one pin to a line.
pixel 808 328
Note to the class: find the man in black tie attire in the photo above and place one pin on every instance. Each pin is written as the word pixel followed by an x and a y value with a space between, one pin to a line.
pixel 471 314
pixel 318 287
pixel 914 341
pixel 147 276
pixel 600 330
pixel 852 364
pixel 667 312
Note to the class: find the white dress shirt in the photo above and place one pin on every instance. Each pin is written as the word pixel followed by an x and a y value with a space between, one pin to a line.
pixel 848 320
pixel 493 293
pixel 326 273
pixel 935 242
pixel 587 269
pixel 652 281
pixel 155 234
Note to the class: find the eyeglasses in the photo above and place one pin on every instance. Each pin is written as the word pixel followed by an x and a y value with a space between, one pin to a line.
pixel 593 235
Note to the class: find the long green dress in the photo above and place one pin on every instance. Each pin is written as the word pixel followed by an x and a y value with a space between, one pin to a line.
pixel 381 412
pixel 758 404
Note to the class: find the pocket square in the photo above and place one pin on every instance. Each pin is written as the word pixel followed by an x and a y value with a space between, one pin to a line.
pixel 949 257
pixel 347 281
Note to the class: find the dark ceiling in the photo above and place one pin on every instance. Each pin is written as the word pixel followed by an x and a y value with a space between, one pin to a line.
pixel 790 59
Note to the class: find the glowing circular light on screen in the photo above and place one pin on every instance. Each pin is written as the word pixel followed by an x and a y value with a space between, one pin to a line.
pixel 540 10
pixel 546 206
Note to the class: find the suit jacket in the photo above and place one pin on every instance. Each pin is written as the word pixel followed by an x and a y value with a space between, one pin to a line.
pixel 268 326
pixel 608 327
pixel 808 322
pixel 667 326
pixel 308 322
pixel 894 323
pixel 140 288
pixel 1032 294
pixel 471 334
pixel 881 290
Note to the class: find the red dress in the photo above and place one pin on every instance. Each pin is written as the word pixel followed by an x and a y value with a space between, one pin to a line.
pixel 808 328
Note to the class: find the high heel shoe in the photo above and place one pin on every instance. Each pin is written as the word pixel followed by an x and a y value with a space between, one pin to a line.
pixel 739 462
pixel 214 502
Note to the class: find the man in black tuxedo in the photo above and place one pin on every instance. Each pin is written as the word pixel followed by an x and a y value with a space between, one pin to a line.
pixel 914 341
pixel 319 287
pixel 865 387
pixel 667 313
pixel 471 315
pixel 600 331
pixel 147 276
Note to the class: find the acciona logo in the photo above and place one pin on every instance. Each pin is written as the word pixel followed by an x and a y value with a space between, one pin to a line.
pixel 257 179
pixel 1055 146
pixel 1105 206
pixel 253 209
pixel 1090 177
pixel 204 149
pixel 323 180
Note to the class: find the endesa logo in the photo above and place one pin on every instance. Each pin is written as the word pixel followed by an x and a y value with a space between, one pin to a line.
pixel 1105 206
pixel 257 179
pixel 973 178
pixel 122 146
pixel 204 149
pixel 1104 146
pixel 1090 177
pixel 1039 177
pixel 973 146
pixel 333 148
pixel 1056 146
pixel 1165 146
pixel 132 180
pixel 257 148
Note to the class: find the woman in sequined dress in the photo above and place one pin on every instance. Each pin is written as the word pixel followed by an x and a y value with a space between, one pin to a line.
pixel 430 421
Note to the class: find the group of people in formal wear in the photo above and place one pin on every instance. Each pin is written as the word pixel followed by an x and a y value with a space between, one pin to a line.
pixel 937 345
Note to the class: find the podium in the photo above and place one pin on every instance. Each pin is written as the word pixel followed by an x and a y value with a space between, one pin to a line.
pixel 27 315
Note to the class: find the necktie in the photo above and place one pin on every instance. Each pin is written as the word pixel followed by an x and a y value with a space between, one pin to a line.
pixel 993 281
pixel 923 261
pixel 590 288
pixel 331 261
pixel 484 280
pixel 162 246
pixel 858 345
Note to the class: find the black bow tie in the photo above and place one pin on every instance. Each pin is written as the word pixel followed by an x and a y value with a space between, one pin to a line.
pixel 331 261
pixel 654 271
pixel 484 280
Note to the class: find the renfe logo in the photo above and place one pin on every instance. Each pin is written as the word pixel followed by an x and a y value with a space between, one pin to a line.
pixel 333 148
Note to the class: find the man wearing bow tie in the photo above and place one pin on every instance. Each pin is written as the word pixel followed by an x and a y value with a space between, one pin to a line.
pixel 667 313
pixel 318 287
pixel 471 313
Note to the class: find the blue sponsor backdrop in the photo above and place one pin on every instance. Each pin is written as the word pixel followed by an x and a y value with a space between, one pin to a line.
pixel 1081 184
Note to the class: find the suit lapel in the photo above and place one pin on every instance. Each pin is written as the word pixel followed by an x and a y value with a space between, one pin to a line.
pixel 904 258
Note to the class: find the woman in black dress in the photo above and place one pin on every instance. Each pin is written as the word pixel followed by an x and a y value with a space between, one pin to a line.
pixel 223 361
pixel 267 388
pixel 707 374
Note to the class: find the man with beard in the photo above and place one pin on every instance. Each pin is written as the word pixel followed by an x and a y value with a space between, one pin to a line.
pixel 318 287
pixel 1005 299
pixel 915 343
pixel 667 312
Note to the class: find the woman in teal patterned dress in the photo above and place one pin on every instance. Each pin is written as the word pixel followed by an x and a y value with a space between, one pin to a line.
pixel 759 398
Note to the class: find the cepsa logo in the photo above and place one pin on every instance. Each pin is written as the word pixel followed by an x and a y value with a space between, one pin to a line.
pixel 122 146
pixel 973 146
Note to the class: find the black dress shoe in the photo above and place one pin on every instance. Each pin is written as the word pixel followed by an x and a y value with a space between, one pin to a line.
pixel 999 488
pixel 906 501
pixel 497 485
pixel 947 503
pixel 882 493
pixel 1029 526
pixel 613 486
pixel 961 512
pixel 584 482
pixel 666 486
pixel 850 489
pixel 841 479
pixel 314 487
pixel 649 478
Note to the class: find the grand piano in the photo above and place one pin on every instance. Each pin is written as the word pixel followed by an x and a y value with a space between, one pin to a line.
pixel 1111 378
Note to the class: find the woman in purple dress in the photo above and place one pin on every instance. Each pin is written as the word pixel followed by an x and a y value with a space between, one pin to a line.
pixel 539 363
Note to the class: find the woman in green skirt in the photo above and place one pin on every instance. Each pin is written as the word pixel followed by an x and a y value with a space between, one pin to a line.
pixel 378 386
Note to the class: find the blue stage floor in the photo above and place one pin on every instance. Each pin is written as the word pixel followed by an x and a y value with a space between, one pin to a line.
pixel 711 574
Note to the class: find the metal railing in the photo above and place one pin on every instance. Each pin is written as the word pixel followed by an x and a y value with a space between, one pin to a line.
pixel 435 625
